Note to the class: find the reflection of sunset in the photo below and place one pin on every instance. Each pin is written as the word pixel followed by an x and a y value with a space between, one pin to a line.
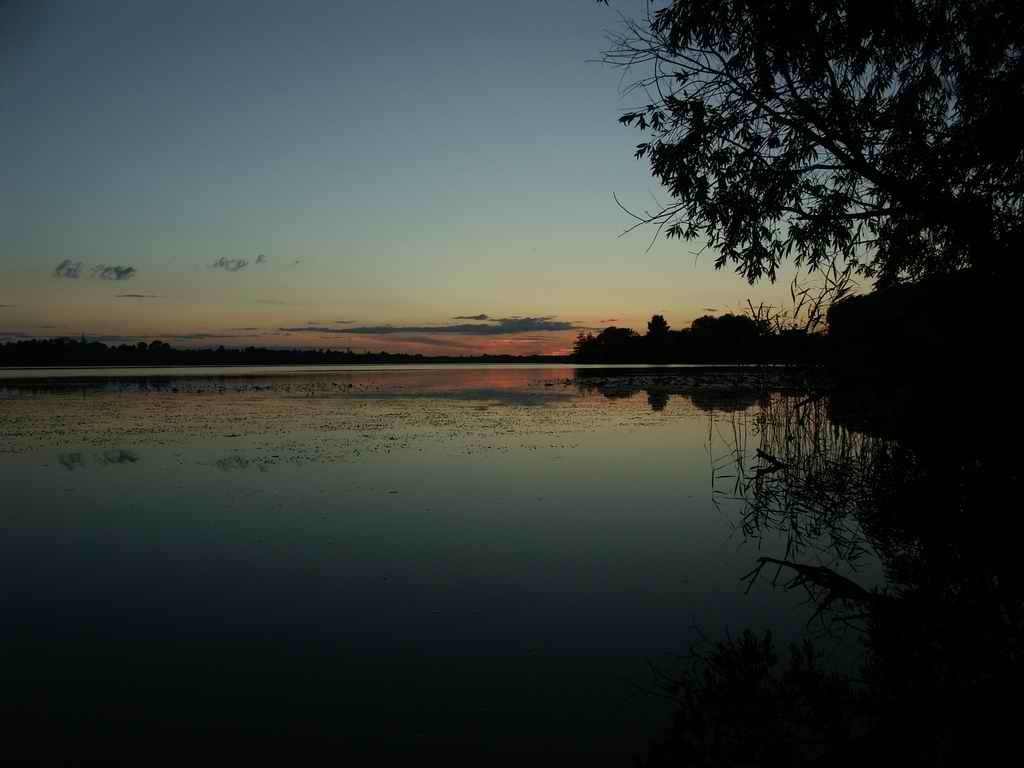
pixel 145 407
pixel 551 343
pixel 558 343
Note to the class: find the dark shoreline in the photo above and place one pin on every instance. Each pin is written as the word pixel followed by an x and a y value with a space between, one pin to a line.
pixel 621 378
pixel 639 366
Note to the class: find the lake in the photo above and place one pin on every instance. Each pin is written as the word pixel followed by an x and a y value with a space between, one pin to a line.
pixel 485 560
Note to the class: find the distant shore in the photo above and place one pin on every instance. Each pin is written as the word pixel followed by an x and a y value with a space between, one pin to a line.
pixel 612 380
pixel 66 352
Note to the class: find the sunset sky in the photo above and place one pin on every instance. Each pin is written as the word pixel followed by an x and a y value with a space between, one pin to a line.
pixel 418 177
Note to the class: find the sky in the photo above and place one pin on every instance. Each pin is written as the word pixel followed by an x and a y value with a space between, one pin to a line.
pixel 434 178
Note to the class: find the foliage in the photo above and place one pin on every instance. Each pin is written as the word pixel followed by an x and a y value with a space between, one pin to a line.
pixel 727 338
pixel 657 327
pixel 878 136
pixel 838 476
pixel 72 352
pixel 612 345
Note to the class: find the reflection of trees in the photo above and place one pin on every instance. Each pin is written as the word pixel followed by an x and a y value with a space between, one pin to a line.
pixel 942 637
pixel 71 460
pixel 119 456
pixel 805 477
pixel 713 392
pixel 76 459
pixel 711 400
pixel 657 399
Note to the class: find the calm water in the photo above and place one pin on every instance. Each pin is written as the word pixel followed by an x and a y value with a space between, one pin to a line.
pixel 390 559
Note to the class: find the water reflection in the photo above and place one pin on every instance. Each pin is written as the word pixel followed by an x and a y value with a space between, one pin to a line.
pixel 72 460
pixel 119 456
pixel 403 557
pixel 428 553
pixel 942 632
pixel 231 463
pixel 710 390
pixel 657 399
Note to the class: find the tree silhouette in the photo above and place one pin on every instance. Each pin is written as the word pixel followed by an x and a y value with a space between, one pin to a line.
pixel 879 136
pixel 65 351
pixel 612 345
pixel 657 339
pixel 657 328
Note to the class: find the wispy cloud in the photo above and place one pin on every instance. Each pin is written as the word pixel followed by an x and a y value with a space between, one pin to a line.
pixel 136 296
pixel 7 306
pixel 499 327
pixel 471 317
pixel 68 269
pixel 170 337
pixel 105 272
pixel 609 320
pixel 72 270
pixel 435 342
pixel 710 309
pixel 201 336
pixel 230 265
pixel 343 322
pixel 272 302
pixel 116 339
pixel 131 339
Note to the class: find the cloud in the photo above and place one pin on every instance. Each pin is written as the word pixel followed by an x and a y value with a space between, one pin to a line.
pixel 499 327
pixel 104 272
pixel 131 339
pixel 201 336
pixel 343 322
pixel 73 270
pixel 273 302
pixel 471 317
pixel 136 296
pixel 710 309
pixel 69 269
pixel 230 265
pixel 7 306
pixel 105 339
pixel 113 339
pixel 434 342
pixel 609 320
pixel 261 259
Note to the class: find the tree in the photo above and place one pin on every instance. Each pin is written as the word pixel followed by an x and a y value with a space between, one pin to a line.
pixel 657 328
pixel 656 341
pixel 612 345
pixel 880 136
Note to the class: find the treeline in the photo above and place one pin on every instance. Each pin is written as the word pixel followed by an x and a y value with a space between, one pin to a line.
pixel 81 352
pixel 726 339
